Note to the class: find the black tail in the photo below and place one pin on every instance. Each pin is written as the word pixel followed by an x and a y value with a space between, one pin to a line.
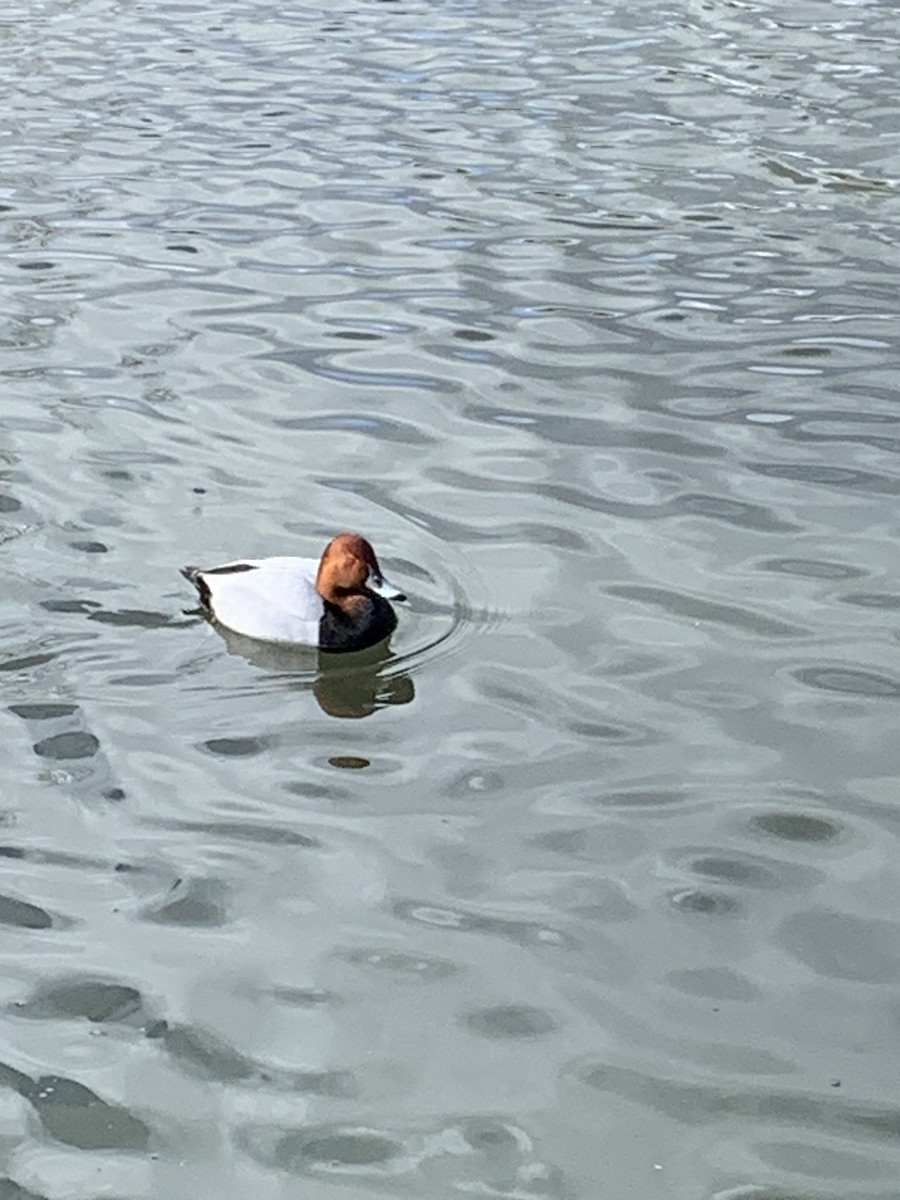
pixel 193 575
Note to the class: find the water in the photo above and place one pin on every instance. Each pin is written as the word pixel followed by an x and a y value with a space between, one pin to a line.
pixel 586 316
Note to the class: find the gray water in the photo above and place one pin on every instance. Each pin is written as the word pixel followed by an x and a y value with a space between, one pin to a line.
pixel 586 315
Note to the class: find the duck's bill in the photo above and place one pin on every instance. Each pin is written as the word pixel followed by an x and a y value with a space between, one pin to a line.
pixel 380 586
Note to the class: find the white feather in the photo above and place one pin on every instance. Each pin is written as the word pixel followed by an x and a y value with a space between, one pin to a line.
pixel 275 602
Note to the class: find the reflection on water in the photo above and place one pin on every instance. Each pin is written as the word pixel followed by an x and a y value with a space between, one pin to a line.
pixel 355 684
pixel 587 315
pixel 358 690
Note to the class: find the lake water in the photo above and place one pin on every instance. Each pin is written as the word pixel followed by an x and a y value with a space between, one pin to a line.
pixel 586 315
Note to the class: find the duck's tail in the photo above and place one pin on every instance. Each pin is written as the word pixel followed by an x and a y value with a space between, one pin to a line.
pixel 195 576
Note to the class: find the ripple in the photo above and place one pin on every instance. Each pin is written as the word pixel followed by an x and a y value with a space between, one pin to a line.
pixel 236 747
pixel 796 827
pixel 132 618
pixel 270 834
pixel 715 983
pixel 510 1022
pixel 198 903
pixel 820 1162
pixel 714 1101
pixel 733 512
pixel 684 605
pixel 624 735
pixel 643 797
pixel 99 1001
pixel 203 1055
pixel 10 1190
pixel 43 712
pixel 312 791
pixel 76 1116
pixel 465 784
pixel 22 914
pixel 26 662
pixel 69 606
pixel 298 997
pixel 384 428
pixel 850 682
pixel 745 870
pixel 427 914
pixel 743 1061
pixel 334 1149
pixel 718 698
pixel 721 509
pixel 524 932
pixel 885 601
pixel 583 431
pixel 143 679
pixel 842 946
pixel 753 1191
pixel 829 476
pixel 63 746
pixel 356 376
pixel 417 968
pixel 810 568
pixel 706 903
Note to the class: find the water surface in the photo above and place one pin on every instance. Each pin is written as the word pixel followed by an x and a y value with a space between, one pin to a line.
pixel 587 885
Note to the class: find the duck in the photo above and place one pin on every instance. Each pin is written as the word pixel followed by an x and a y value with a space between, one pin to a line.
pixel 340 602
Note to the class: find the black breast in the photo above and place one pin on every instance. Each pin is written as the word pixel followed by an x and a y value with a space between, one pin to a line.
pixel 369 622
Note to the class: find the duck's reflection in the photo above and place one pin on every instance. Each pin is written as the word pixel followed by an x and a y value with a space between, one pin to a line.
pixel 350 685
pixel 357 684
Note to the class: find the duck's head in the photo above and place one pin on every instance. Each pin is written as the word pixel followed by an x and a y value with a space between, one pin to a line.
pixel 348 568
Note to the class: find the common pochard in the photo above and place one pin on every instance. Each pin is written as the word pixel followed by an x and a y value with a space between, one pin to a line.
pixel 341 602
